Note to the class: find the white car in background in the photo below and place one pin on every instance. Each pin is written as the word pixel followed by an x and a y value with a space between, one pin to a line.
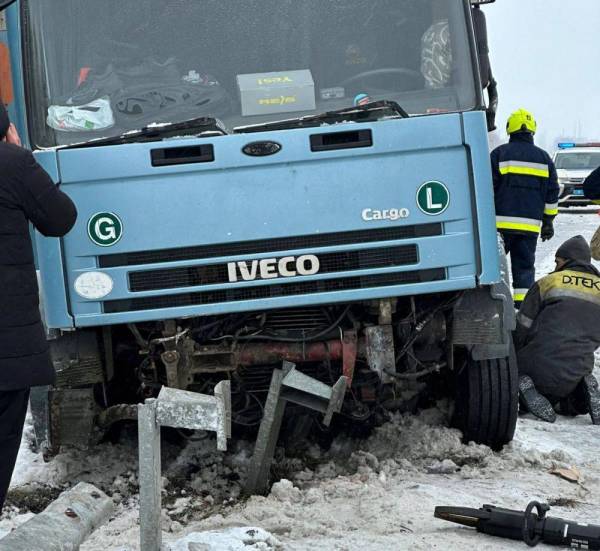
pixel 574 163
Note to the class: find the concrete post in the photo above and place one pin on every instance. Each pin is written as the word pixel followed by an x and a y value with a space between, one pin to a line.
pixel 65 524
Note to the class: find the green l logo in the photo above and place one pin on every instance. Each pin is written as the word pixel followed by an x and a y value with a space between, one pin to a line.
pixel 433 198
pixel 105 229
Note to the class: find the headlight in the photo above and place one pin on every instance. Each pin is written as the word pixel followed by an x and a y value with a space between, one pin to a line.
pixel 93 285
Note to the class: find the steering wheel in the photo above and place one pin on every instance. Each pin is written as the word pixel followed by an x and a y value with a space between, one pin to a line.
pixel 390 71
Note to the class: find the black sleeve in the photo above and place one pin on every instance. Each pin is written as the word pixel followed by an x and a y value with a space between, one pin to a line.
pixel 526 317
pixel 50 210
pixel 496 177
pixel 591 186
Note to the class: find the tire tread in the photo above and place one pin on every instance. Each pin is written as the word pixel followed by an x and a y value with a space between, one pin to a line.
pixel 488 414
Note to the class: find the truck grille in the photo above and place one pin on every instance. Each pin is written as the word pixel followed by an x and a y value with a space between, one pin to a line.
pixel 274 291
pixel 192 276
pixel 268 245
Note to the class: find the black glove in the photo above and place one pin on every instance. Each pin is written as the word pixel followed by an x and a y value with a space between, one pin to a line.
pixel 490 112
pixel 547 229
pixel 490 116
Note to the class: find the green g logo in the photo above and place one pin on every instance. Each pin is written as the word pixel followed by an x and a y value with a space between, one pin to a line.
pixel 105 229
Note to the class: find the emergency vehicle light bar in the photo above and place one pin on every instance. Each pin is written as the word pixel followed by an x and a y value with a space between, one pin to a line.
pixel 570 145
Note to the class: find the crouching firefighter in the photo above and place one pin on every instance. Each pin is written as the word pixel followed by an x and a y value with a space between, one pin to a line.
pixel 526 196
pixel 557 334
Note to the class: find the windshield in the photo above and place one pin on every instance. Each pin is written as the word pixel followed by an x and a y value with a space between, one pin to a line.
pixel 100 69
pixel 578 161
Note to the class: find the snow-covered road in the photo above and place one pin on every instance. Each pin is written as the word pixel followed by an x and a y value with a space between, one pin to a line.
pixel 374 494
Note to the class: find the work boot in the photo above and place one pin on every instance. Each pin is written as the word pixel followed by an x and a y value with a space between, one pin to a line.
pixel 534 402
pixel 592 397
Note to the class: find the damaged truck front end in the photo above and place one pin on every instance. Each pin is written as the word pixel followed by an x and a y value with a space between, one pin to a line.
pixel 310 193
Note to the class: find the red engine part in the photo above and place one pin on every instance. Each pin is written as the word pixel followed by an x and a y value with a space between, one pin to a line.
pixel 345 350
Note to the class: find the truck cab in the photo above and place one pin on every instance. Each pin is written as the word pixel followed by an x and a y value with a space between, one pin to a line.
pixel 265 181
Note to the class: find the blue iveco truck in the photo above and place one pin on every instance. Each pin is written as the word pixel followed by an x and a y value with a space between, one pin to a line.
pixel 262 181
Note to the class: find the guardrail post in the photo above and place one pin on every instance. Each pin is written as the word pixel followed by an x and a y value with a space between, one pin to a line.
pixel 149 479
pixel 289 385
pixel 178 409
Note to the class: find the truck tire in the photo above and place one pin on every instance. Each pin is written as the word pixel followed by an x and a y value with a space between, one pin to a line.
pixel 487 401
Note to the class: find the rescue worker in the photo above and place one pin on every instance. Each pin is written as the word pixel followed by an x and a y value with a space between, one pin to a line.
pixel 526 197
pixel 591 190
pixel 27 195
pixel 557 335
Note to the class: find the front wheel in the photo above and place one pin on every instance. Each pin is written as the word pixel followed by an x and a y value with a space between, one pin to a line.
pixel 487 401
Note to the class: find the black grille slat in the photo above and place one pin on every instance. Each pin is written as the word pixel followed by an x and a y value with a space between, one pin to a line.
pixel 269 245
pixel 330 263
pixel 274 291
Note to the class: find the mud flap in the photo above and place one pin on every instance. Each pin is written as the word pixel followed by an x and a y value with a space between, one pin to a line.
pixel 484 318
pixel 62 417
pixel 64 414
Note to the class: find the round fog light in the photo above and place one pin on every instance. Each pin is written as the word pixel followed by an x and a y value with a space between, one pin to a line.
pixel 93 285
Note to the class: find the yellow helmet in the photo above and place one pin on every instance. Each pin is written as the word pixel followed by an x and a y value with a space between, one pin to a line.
pixel 521 121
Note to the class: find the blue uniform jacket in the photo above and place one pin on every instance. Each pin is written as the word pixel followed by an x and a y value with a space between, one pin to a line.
pixel 525 185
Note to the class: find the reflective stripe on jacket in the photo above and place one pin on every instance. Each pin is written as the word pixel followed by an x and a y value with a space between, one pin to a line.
pixel 525 185
pixel 558 330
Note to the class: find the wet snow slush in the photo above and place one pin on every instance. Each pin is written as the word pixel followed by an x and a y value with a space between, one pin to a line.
pixel 378 493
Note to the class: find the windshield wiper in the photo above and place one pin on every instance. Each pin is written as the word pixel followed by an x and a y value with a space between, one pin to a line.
pixel 363 113
pixel 194 127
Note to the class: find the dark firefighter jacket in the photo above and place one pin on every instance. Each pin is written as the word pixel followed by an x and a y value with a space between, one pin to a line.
pixel 525 185
pixel 558 327
pixel 27 194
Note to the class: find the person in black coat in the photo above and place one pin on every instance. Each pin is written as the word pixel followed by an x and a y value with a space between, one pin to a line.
pixel 557 335
pixel 27 195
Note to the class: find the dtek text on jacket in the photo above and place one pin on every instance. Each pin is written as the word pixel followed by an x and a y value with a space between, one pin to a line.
pixel 525 185
pixel 557 331
pixel 27 194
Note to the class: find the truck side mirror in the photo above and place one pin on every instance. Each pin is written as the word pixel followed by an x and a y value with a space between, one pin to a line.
pixel 5 3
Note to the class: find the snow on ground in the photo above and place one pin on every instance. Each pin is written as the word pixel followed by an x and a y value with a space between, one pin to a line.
pixel 373 494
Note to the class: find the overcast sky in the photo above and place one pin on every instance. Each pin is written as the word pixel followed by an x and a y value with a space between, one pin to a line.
pixel 546 58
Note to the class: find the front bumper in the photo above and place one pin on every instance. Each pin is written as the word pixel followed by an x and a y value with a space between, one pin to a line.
pixel 572 194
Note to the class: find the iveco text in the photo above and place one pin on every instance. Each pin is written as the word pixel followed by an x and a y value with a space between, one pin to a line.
pixel 271 268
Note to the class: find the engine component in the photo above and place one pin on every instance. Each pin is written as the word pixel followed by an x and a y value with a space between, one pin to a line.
pixel 380 351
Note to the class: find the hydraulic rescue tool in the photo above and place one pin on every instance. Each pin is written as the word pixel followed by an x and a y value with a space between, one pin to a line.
pixel 529 526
